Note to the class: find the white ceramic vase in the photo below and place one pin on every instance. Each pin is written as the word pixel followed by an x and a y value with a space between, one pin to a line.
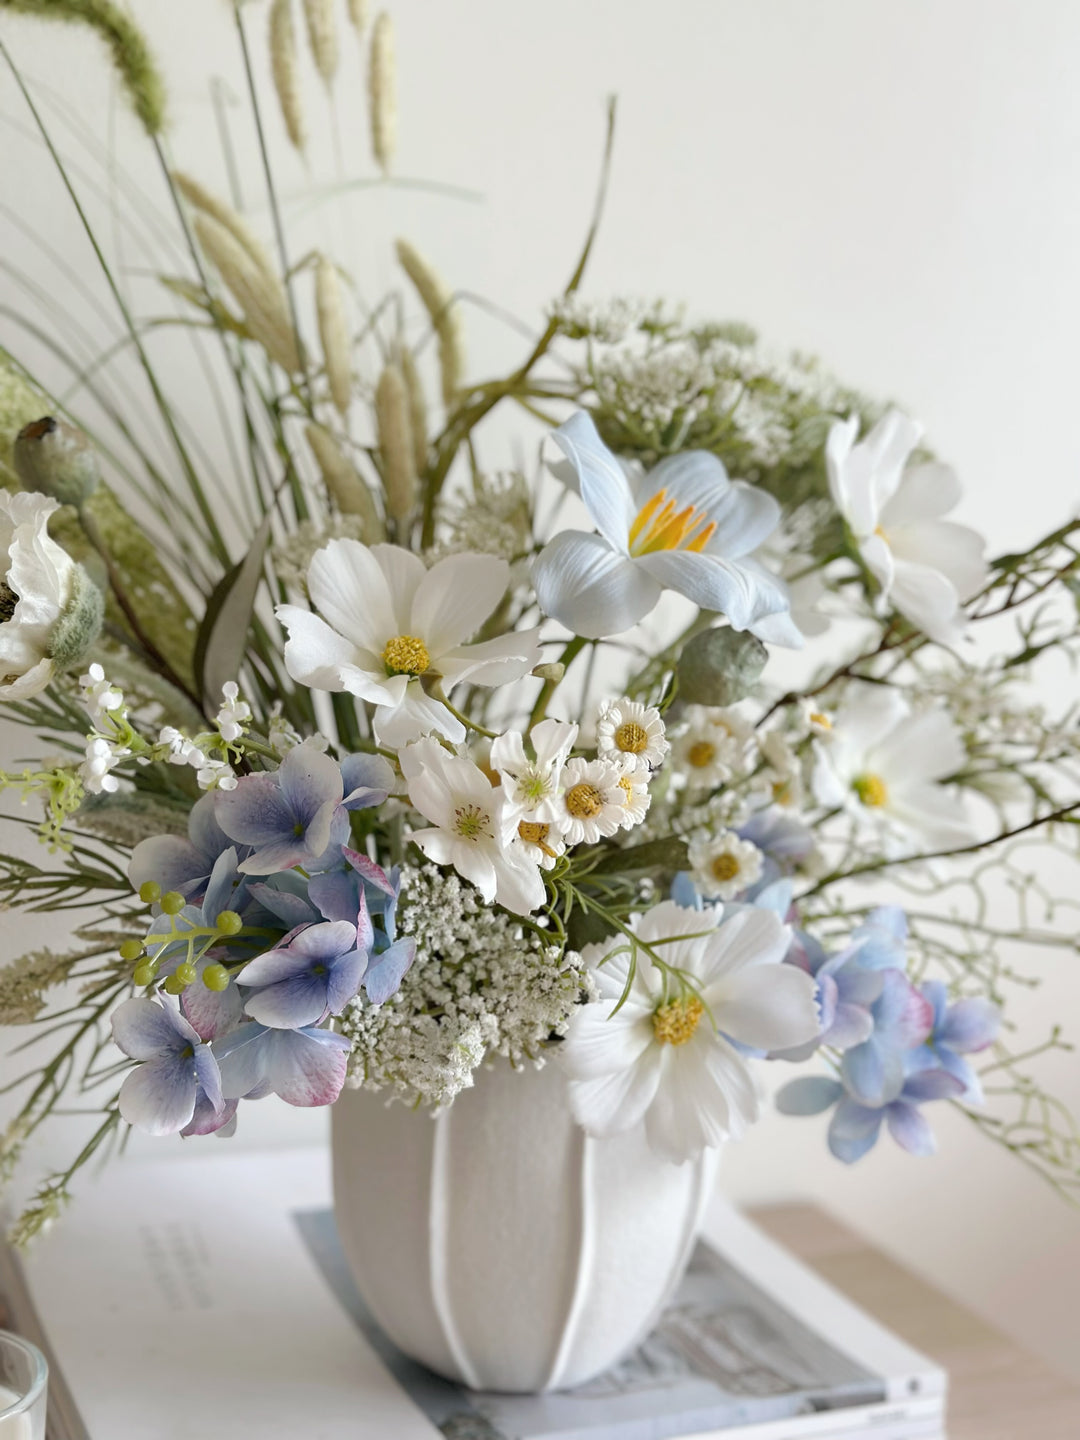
pixel 497 1243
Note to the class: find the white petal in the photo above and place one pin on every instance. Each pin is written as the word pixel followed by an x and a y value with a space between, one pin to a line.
pixel 929 600
pixel 888 447
pixel 455 597
pixel 696 477
pixel 602 481
pixel 935 814
pixel 30 682
pixel 692 1111
pixel 519 885
pixel 588 587
pixel 348 587
pixel 750 938
pixel 430 786
pixel 838 446
pixel 878 557
pixel 317 656
pixel 476 862
pixel 867 716
pixel 744 515
pixel 769 1007
pixel 404 573
pixel 925 493
pixel 744 594
pixel 417 714
pixel 929 746
pixel 955 550
pixel 608 1104
pixel 552 740
pixel 492 662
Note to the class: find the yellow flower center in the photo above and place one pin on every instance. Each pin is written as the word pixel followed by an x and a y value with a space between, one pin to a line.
pixel 871 789
pixel 406 655
pixel 631 738
pixel 817 718
pixel 725 866
pixel 661 525
pixel 584 801
pixel 535 834
pixel 626 785
pixel 782 792
pixel 471 822
pixel 675 1022
pixel 701 754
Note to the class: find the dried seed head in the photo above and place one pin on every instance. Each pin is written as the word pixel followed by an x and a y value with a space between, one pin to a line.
pixel 322 37
pixel 284 67
pixel 414 387
pixel 333 332
pixel 344 483
pixel 359 15
pixel 204 200
pixel 55 458
pixel 260 296
pixel 445 315
pixel 395 443
pixel 382 92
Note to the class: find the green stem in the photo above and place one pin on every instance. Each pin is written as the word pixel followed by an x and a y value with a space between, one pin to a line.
pixel 571 651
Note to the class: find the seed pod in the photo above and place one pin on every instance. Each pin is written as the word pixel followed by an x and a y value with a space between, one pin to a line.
pixel 344 483
pixel 395 443
pixel 445 315
pixel 260 296
pixel 333 332
pixel 55 458
pixel 358 15
pixel 210 204
pixel 414 387
pixel 382 92
pixel 284 67
pixel 322 37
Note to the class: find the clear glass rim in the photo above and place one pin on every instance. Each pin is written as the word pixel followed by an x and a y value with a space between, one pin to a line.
pixel 39 1372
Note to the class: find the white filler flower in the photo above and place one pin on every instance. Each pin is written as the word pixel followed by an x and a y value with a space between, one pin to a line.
pixel 666 1058
pixel 634 731
pixel 473 829
pixel 723 865
pixel 926 566
pixel 531 783
pixel 885 765
pixel 36 579
pixel 389 620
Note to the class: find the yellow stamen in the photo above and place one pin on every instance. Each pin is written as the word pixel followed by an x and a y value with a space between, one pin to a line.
pixel 701 540
pixel 871 789
pixel 661 525
pixel 675 1022
pixel 817 718
pixel 725 866
pixel 535 834
pixel 626 785
pixel 406 655
pixel 584 801
pixel 646 513
pixel 701 754
pixel 471 822
pixel 631 738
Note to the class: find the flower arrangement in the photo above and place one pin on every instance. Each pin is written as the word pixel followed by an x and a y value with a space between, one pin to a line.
pixel 404 767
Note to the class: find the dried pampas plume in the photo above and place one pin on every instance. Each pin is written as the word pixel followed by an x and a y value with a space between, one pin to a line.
pixel 322 37
pixel 382 92
pixel 445 316
pixel 260 296
pixel 210 204
pixel 344 483
pixel 284 67
pixel 333 332
pixel 417 408
pixel 395 443
pixel 359 15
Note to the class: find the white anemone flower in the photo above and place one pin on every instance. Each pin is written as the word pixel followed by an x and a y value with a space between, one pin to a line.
pixel 885 765
pixel 627 728
pixel 388 621
pixel 473 829
pixel 532 784
pixel 724 865
pixel 926 566
pixel 36 580
pixel 592 801
pixel 666 1057
pixel 683 526
pixel 711 746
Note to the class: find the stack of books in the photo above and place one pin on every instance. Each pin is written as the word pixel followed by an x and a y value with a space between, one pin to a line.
pixel 208 1294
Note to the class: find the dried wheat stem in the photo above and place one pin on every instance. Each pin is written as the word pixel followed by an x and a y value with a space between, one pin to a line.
pixel 359 14
pixel 344 483
pixel 322 37
pixel 395 443
pixel 445 315
pixel 382 92
pixel 210 204
pixel 414 388
pixel 260 295
pixel 333 332
pixel 283 63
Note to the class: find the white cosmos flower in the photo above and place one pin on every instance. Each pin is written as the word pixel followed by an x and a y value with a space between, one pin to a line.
pixel 591 800
pixel 36 579
pixel 723 865
pixel 473 829
pixel 684 526
pixel 885 765
pixel 667 1058
pixel 532 784
pixel 628 728
pixel 926 566
pixel 388 620
pixel 711 745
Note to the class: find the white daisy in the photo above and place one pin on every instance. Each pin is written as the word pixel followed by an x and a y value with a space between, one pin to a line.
pixel 665 1057
pixel 592 803
pixel 783 769
pixel 634 783
pixel 532 785
pixel 711 746
pixel 388 620
pixel 626 727
pixel 541 842
pixel 724 865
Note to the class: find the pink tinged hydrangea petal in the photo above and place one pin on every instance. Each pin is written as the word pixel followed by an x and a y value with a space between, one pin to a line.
pixel 290 908
pixel 170 860
pixel 212 1013
pixel 851 1025
pixel 368 871
pixel 385 972
pixel 210 1121
pixel 769 1007
pixel 854 1130
pixel 910 1128
pixel 145 1030
pixel 591 588
pixel 366 779
pixel 808 1095
pixel 602 481
pixel 208 1075
pixel 454 599
pixel 969 1025
pixel 348 586
pixel 307 1067
pixel 299 1000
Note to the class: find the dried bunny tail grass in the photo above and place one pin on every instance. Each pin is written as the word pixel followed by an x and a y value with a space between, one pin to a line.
pixel 283 63
pixel 445 316
pixel 344 483
pixel 333 332
pixel 417 408
pixel 382 92
pixel 259 295
pixel 395 443
pixel 322 37
pixel 359 15
pixel 208 203
pixel 130 52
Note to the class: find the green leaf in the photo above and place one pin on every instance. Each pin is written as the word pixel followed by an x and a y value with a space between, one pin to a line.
pixel 669 854
pixel 222 640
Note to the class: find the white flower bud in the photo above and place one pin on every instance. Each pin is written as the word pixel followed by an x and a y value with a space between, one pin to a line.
pixel 37 584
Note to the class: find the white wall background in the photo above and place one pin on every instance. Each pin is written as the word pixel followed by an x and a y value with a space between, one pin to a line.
pixel 894 185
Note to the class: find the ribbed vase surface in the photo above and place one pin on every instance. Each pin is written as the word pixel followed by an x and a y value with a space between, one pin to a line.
pixel 500 1245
